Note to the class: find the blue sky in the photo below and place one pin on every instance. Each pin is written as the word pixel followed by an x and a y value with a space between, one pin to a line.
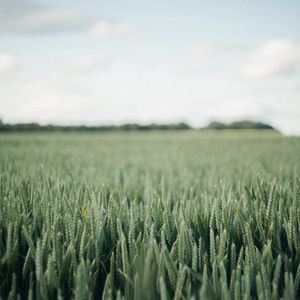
pixel 95 62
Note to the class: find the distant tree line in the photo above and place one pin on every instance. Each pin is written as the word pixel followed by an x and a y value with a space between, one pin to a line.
pixel 35 127
pixel 245 124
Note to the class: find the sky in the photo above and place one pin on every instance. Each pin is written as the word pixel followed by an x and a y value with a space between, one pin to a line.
pixel 118 61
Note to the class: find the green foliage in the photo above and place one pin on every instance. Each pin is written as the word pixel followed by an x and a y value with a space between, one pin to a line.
pixel 149 216
pixel 240 125
pixel 35 127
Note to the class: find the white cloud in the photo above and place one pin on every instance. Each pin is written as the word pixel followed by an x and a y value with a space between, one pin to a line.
pixel 108 29
pixel 89 63
pixel 273 58
pixel 202 52
pixel 48 21
pixel 8 63
pixel 16 17
pixel 207 51
pixel 206 58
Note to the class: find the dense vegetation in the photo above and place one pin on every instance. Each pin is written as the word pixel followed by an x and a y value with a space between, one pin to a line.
pixel 186 215
pixel 35 127
pixel 240 125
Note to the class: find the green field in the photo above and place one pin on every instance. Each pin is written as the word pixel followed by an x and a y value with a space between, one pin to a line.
pixel 178 215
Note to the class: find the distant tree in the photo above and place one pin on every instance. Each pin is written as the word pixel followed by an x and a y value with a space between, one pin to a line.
pixel 216 125
pixel 29 127
pixel 244 124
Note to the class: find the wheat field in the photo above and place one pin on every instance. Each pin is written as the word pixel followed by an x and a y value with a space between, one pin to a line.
pixel 186 215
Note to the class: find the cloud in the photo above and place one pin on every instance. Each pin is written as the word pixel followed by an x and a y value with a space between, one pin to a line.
pixel 17 7
pixel 20 17
pixel 89 63
pixel 202 52
pixel 109 29
pixel 273 58
pixel 29 17
pixel 207 58
pixel 207 51
pixel 8 63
